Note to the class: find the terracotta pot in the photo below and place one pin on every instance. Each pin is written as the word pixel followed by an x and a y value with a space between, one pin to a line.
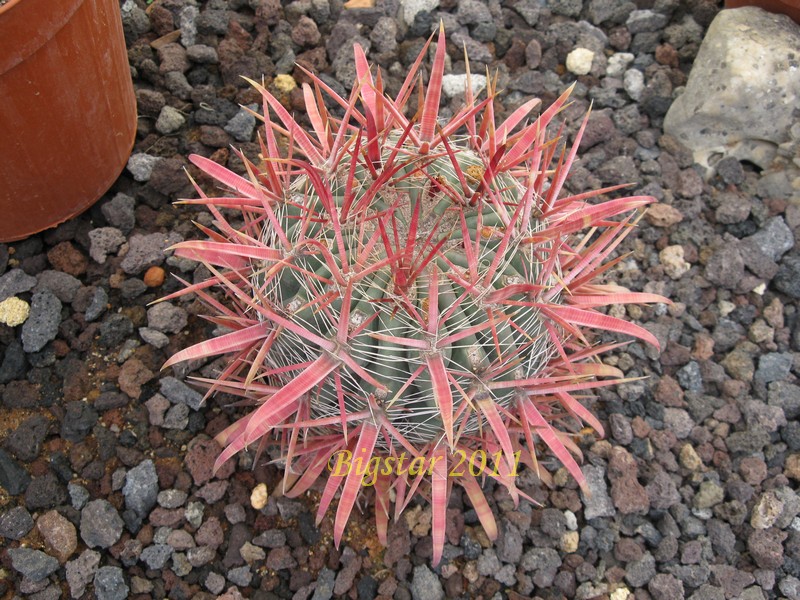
pixel 68 112
pixel 784 7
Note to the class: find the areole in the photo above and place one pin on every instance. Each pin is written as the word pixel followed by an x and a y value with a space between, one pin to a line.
pixel 68 117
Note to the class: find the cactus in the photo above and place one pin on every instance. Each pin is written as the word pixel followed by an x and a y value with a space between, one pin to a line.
pixel 403 289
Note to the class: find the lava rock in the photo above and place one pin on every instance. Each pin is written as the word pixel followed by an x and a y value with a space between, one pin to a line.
pixel 101 525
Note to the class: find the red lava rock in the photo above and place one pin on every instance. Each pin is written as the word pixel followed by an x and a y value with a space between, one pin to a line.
pixel 67 258
pixel 669 393
pixel 281 558
pixel 753 470
pixel 213 491
pixel 663 215
pixel 766 547
pixel 200 462
pixel 210 533
pixel 667 55
pixel 628 550
pixel 164 517
pixel 60 537
pixel 132 376
pixel 628 495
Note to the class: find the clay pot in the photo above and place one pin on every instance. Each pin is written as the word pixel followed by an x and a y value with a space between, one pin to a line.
pixel 783 7
pixel 68 111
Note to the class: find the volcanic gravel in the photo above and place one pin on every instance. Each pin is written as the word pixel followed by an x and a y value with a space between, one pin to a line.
pixel 106 462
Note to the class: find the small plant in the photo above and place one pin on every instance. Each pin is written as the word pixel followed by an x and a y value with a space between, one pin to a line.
pixel 408 299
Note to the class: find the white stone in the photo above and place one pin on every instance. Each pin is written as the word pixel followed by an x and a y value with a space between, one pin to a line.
pixel 743 91
pixel 618 62
pixel 633 81
pixel 671 258
pixel 410 8
pixel 453 85
pixel 579 61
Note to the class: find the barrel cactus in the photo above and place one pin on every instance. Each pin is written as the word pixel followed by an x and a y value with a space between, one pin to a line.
pixel 408 300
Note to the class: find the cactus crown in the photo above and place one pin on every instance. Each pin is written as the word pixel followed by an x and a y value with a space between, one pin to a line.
pixel 401 287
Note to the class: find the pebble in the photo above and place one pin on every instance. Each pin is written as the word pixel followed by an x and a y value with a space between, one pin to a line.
pixel 167 318
pixel 140 165
pixel 15 523
pixel 579 61
pixel 119 212
pixel 178 392
pixel 104 241
pixel 16 281
pixel 32 564
pixel 109 584
pixel 425 585
pixel 101 525
pixel 81 571
pixel 169 120
pixel 63 285
pixel 14 311
pixel 145 251
pixel 242 124
pixel 59 535
pixel 633 82
pixel 42 323
pixel 672 259
pixel 598 503
pixel 141 488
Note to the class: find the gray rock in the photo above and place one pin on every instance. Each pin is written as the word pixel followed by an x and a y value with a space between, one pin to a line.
pixel 786 396
pixel 177 417
pixel 101 525
pixel 488 564
pixel 171 498
pixel 188 22
pixel 509 543
pixel 42 324
pixel 109 584
pixel 662 491
pixel 78 495
pixel 773 366
pixel 169 120
pixel 141 488
pixel 567 8
pixel 242 124
pixel 178 392
pixel 241 576
pixel 140 165
pixel 609 11
pixel 153 337
pixel 725 268
pixel 167 317
pixel 15 282
pixel 15 523
pixel 410 8
pixel 119 212
pixel 104 241
pixel 79 418
pixel 62 285
pixel 146 251
pixel 678 422
pixel 748 111
pixel 599 504
pixel 542 564
pixel 202 54
pixel 646 20
pixel 787 280
pixel 156 556
pixel 325 582
pixel 425 585
pixel 81 571
pixel 639 572
pixel 215 583
pixel 97 305
pixel 32 564
pixel 775 239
